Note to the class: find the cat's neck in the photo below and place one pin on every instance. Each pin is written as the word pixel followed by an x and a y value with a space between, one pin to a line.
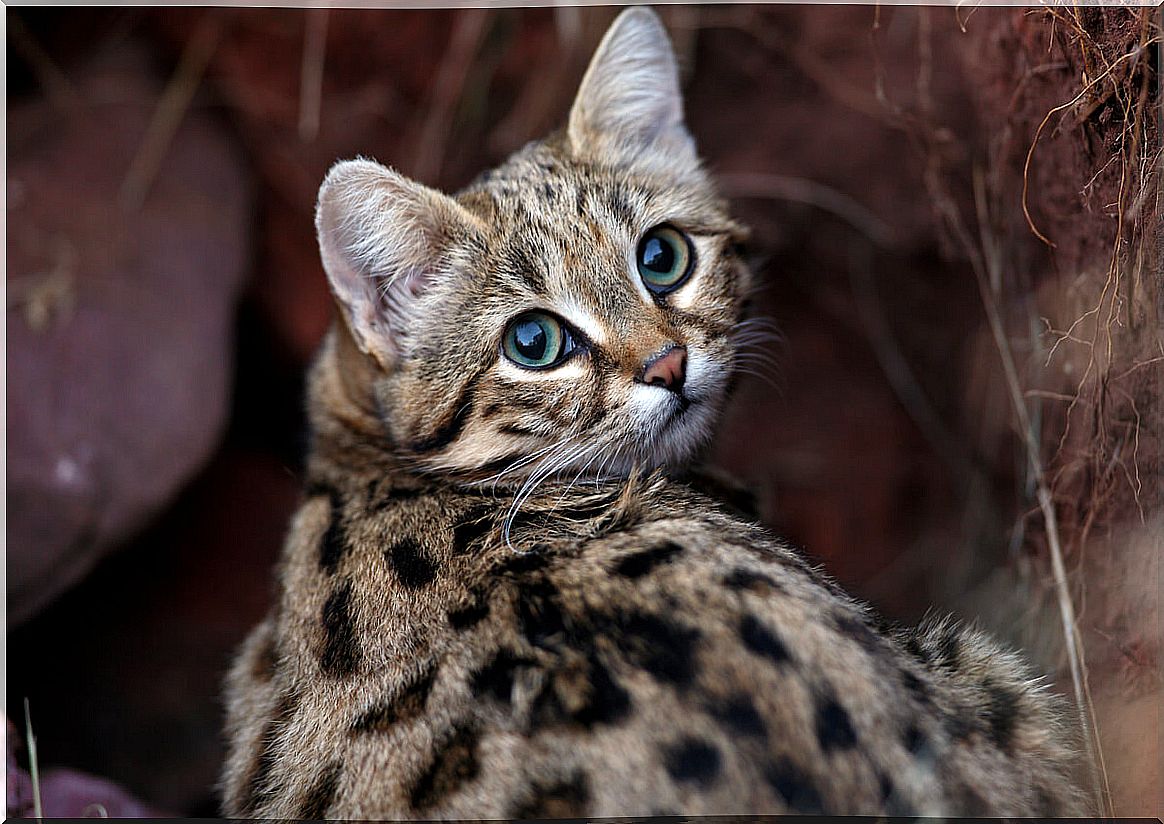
pixel 348 435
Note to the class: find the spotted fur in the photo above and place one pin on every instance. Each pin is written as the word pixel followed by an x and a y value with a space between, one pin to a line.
pixel 497 600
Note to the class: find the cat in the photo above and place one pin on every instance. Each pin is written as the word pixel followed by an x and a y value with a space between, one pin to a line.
pixel 498 600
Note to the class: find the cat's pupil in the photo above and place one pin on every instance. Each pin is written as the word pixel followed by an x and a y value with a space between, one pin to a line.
pixel 530 340
pixel 658 256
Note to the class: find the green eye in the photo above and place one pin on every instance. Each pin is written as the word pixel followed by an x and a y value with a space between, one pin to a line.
pixel 535 340
pixel 664 258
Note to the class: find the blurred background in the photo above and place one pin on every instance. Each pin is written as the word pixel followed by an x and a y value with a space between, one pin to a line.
pixel 955 221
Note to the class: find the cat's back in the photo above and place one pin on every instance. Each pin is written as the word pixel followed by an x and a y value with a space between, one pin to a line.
pixel 641 651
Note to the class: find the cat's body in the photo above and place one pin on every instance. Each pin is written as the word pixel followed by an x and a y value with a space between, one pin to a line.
pixel 495 601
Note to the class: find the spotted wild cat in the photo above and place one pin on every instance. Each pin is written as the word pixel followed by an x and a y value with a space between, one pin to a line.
pixel 498 598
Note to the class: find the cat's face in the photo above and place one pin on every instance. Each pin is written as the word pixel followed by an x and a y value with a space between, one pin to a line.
pixel 573 312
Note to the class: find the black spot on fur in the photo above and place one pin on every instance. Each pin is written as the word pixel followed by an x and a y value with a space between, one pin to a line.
pixel 562 799
pixel 335 543
pixel 639 564
pixel 473 613
pixel 661 646
pixel 794 786
pixel 413 567
pixel 406 704
pixel 834 729
pixel 1001 713
pixel 739 713
pixel 581 693
pixel 861 633
pixel 755 582
pixel 495 679
pixel 760 640
pixel 314 805
pixel 472 528
pixel 692 760
pixel 316 487
pixel 341 651
pixel 958 725
pixel 969 803
pixel 606 702
pixel 258 789
pixel 454 765
pixel 892 802
pixel 540 614
pixel 914 739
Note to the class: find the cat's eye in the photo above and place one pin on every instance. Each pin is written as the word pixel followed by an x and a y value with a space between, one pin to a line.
pixel 536 340
pixel 664 258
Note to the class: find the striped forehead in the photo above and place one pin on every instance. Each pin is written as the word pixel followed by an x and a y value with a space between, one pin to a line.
pixel 570 243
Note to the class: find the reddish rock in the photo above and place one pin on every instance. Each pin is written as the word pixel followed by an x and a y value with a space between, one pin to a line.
pixel 119 320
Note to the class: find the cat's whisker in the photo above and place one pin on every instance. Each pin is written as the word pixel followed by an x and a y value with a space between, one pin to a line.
pixel 546 468
pixel 581 471
pixel 520 462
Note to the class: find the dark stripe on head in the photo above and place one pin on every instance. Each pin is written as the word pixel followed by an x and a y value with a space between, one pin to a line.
pixel 341 651
pixel 447 431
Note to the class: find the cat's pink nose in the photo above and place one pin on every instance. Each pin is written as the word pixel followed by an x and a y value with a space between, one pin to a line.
pixel 667 369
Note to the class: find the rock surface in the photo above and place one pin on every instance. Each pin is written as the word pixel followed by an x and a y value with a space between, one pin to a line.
pixel 119 320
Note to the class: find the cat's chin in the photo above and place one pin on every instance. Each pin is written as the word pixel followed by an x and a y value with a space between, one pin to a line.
pixel 678 435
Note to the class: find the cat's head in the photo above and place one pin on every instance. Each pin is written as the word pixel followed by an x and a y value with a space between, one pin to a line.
pixel 572 311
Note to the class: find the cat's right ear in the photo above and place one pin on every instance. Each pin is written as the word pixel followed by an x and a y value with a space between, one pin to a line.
pixel 385 242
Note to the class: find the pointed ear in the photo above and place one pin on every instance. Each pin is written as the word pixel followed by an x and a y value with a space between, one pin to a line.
pixel 385 242
pixel 629 107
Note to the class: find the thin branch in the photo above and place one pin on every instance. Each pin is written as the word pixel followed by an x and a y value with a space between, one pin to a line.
pixel 311 73
pixel 170 111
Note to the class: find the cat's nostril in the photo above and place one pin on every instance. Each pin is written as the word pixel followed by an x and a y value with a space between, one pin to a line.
pixel 667 369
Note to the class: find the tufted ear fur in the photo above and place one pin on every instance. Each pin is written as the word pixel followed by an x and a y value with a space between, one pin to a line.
pixel 629 109
pixel 385 242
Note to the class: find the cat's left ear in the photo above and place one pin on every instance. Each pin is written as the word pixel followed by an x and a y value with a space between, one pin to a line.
pixel 629 108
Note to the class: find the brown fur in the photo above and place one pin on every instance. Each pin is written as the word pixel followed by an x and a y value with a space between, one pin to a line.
pixel 496 600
